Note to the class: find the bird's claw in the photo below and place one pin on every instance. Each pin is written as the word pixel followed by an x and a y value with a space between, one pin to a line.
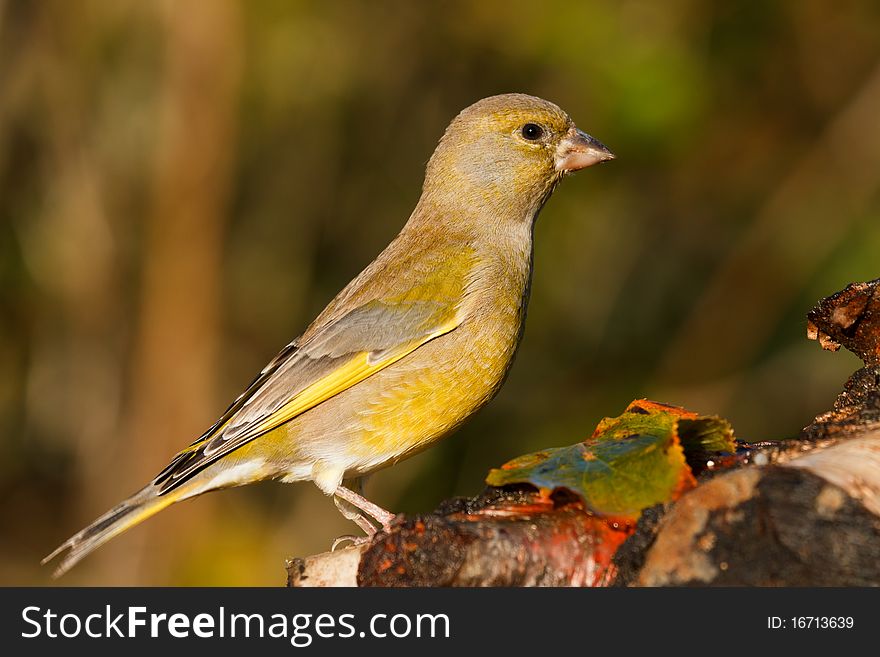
pixel 354 540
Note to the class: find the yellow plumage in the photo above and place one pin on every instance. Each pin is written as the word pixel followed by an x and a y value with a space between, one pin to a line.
pixel 412 347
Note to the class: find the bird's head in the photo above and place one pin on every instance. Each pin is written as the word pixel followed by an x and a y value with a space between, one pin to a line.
pixel 509 151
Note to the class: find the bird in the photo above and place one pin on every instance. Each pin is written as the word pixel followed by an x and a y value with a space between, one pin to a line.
pixel 412 347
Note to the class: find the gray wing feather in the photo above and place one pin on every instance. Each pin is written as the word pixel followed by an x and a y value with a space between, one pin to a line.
pixel 374 328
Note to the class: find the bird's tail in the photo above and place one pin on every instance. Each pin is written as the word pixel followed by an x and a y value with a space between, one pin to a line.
pixel 137 508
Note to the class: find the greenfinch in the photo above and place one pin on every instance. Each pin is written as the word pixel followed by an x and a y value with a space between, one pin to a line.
pixel 413 346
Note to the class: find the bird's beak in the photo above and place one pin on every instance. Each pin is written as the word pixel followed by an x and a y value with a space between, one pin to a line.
pixel 578 150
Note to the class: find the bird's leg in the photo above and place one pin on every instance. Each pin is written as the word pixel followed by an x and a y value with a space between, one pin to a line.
pixel 353 513
pixel 360 502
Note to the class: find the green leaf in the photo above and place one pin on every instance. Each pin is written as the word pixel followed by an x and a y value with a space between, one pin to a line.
pixel 706 434
pixel 631 462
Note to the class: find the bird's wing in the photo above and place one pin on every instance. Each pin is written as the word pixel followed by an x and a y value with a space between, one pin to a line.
pixel 332 359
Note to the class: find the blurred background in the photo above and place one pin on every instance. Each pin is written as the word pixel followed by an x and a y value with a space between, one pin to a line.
pixel 184 185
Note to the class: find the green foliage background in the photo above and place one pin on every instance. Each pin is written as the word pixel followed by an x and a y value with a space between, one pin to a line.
pixel 184 185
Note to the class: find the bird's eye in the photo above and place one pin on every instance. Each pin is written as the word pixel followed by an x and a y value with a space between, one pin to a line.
pixel 532 131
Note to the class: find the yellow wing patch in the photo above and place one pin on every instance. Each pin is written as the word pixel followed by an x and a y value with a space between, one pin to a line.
pixel 351 373
pixel 326 362
pixel 356 369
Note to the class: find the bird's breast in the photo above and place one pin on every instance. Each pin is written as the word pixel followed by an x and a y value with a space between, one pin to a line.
pixel 426 395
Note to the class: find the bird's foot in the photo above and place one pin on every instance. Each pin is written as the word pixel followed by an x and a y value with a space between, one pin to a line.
pixel 348 538
pixel 382 516
pixel 368 527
